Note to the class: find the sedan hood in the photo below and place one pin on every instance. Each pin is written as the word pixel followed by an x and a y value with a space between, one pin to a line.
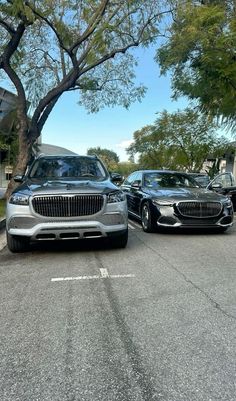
pixel 184 194
pixel 39 187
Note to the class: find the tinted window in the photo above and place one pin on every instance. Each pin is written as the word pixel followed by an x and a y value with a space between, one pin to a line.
pixel 130 179
pixel 68 167
pixel 168 180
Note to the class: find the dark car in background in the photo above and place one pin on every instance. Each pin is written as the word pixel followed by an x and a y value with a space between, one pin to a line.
pixel 201 178
pixel 224 184
pixel 160 198
pixel 65 198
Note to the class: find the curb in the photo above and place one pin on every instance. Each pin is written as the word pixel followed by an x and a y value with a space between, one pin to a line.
pixel 2 223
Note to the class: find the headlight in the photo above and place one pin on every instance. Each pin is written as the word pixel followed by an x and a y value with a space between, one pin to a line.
pixel 19 199
pixel 117 196
pixel 228 202
pixel 162 202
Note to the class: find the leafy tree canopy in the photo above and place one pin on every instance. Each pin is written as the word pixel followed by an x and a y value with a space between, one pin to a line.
pixel 53 46
pixel 181 140
pixel 109 157
pixel 200 52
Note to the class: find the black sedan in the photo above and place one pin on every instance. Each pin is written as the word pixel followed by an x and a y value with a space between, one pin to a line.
pixel 161 198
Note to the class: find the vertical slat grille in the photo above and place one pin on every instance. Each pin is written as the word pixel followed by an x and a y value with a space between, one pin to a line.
pixel 199 209
pixel 67 206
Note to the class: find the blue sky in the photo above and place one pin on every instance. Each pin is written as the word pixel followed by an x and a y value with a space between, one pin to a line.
pixel 70 125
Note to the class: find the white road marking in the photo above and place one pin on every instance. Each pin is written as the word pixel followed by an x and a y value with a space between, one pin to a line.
pixel 131 227
pixel 134 224
pixel 75 278
pixel 122 276
pixel 103 274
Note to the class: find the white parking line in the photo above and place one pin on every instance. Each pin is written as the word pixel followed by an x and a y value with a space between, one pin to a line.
pixel 103 274
pixel 131 227
pixel 134 224
pixel 75 278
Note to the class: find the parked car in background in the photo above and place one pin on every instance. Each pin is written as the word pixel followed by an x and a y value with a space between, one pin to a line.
pixel 160 198
pixel 201 178
pixel 225 184
pixel 65 198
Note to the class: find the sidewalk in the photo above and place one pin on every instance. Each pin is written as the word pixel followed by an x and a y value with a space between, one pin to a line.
pixel 3 241
pixel 2 192
pixel 2 224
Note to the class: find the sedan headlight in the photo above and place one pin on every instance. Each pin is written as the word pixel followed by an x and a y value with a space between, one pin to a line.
pixel 19 199
pixel 114 197
pixel 163 202
pixel 228 203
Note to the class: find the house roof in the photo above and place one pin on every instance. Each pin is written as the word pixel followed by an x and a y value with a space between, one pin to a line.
pixel 48 149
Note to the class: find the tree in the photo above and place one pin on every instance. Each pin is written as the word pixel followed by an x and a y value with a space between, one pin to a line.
pixel 109 157
pixel 126 168
pixel 200 53
pixel 51 47
pixel 177 141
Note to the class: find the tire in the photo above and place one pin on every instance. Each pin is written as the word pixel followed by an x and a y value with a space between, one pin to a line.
pixel 120 241
pixel 147 220
pixel 222 229
pixel 17 243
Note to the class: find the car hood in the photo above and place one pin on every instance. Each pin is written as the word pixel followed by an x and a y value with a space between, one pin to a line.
pixel 182 194
pixel 39 187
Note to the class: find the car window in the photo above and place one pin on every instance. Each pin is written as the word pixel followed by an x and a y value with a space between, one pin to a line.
pixel 225 180
pixel 168 180
pixel 130 179
pixel 53 168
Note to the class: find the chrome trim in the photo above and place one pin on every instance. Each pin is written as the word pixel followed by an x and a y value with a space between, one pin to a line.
pixel 201 210
pixel 67 205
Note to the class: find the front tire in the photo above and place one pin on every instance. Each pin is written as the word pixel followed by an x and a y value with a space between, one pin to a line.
pixel 147 220
pixel 120 241
pixel 17 243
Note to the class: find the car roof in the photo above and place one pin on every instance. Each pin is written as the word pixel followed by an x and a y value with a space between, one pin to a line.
pixel 44 156
pixel 160 171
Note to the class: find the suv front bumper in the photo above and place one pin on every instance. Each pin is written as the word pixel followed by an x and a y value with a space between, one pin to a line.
pixel 21 221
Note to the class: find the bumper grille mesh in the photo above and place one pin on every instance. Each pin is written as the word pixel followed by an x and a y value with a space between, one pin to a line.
pixel 67 206
pixel 199 209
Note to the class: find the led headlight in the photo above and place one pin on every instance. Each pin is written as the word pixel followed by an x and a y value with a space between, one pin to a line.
pixel 114 197
pixel 228 202
pixel 19 199
pixel 163 202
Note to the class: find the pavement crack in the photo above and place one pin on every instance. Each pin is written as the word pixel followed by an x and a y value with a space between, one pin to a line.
pixel 215 304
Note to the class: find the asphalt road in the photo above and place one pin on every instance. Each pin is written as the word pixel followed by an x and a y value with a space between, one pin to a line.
pixel 156 321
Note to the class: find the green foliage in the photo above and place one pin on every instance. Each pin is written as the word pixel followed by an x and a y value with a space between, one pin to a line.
pixel 67 35
pixel 51 47
pixel 177 141
pixel 109 157
pixel 2 208
pixel 200 54
pixel 126 168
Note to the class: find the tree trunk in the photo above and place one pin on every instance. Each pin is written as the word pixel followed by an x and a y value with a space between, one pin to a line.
pixel 22 159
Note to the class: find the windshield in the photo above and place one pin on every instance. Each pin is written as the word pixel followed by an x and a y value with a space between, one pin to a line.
pixel 169 180
pixel 73 168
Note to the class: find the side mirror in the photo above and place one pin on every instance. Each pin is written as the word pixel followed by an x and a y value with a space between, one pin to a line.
pixel 18 178
pixel 217 185
pixel 116 177
pixel 136 184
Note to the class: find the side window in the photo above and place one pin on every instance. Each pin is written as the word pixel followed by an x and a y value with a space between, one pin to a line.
pixel 139 177
pixel 130 179
pixel 224 179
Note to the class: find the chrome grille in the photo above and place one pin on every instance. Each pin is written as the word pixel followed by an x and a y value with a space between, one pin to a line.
pixel 199 209
pixel 67 206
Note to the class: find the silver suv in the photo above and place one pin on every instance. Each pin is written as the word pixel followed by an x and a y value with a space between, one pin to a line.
pixel 64 198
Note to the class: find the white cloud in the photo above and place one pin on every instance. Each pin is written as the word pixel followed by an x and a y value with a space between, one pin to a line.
pixel 124 144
